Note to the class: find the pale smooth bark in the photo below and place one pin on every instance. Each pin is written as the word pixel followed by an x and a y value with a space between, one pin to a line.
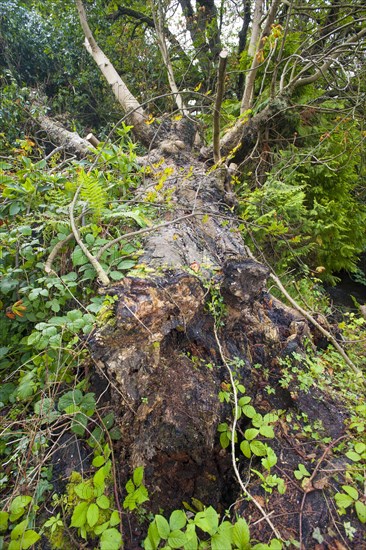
pixel 136 115
pixel 159 28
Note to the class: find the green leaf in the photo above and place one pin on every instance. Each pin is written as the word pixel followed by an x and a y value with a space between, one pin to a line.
pixel 224 440
pixel 18 505
pixel 251 434
pixel 92 514
pixel 29 538
pixel 98 461
pixel 126 264
pixel 4 520
pixel 207 520
pixel 343 500
pixel 103 502
pixel 351 491
pixel 99 479
pixel 111 539
pixel 19 529
pixel 78 518
pixel 84 491
pixel 361 511
pixel 108 420
pixel 153 537
pixel 191 538
pixel 355 457
pixel 130 486
pixel 258 448
pixel 79 424
pixel 267 431
pixel 141 495
pixel 78 257
pixel 99 529
pixel 177 520
pixel 245 448
pixel 116 275
pixel 114 519
pixel 360 448
pixel 177 539
pixel 70 398
pixel 270 460
pixel 244 401
pixel 223 537
pixel 138 475
pixel 241 534
pixel 249 410
pixel 129 502
pixel 163 526
pixel 115 433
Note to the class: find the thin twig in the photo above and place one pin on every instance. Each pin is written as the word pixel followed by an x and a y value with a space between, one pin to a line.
pixel 233 456
pixel 313 321
pixel 315 471
pixel 144 230
pixel 103 277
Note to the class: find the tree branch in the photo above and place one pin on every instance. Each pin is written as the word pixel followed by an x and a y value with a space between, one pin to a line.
pixel 159 27
pixel 218 102
pixel 136 114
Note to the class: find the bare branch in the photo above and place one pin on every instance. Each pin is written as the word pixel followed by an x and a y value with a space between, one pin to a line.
pixel 136 114
pixel 159 27
pixel 218 102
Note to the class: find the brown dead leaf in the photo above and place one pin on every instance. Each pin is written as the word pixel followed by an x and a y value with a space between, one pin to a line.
pixel 336 545
pixel 320 483
pixel 259 499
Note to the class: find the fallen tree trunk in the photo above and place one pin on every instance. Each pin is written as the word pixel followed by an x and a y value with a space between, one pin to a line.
pixel 162 353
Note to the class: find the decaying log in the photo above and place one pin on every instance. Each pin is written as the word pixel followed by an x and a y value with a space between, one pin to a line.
pixel 161 352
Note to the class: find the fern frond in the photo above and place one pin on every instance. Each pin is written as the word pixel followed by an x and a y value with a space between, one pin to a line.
pixel 92 191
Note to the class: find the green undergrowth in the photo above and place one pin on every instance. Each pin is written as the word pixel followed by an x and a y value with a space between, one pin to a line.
pixel 46 319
